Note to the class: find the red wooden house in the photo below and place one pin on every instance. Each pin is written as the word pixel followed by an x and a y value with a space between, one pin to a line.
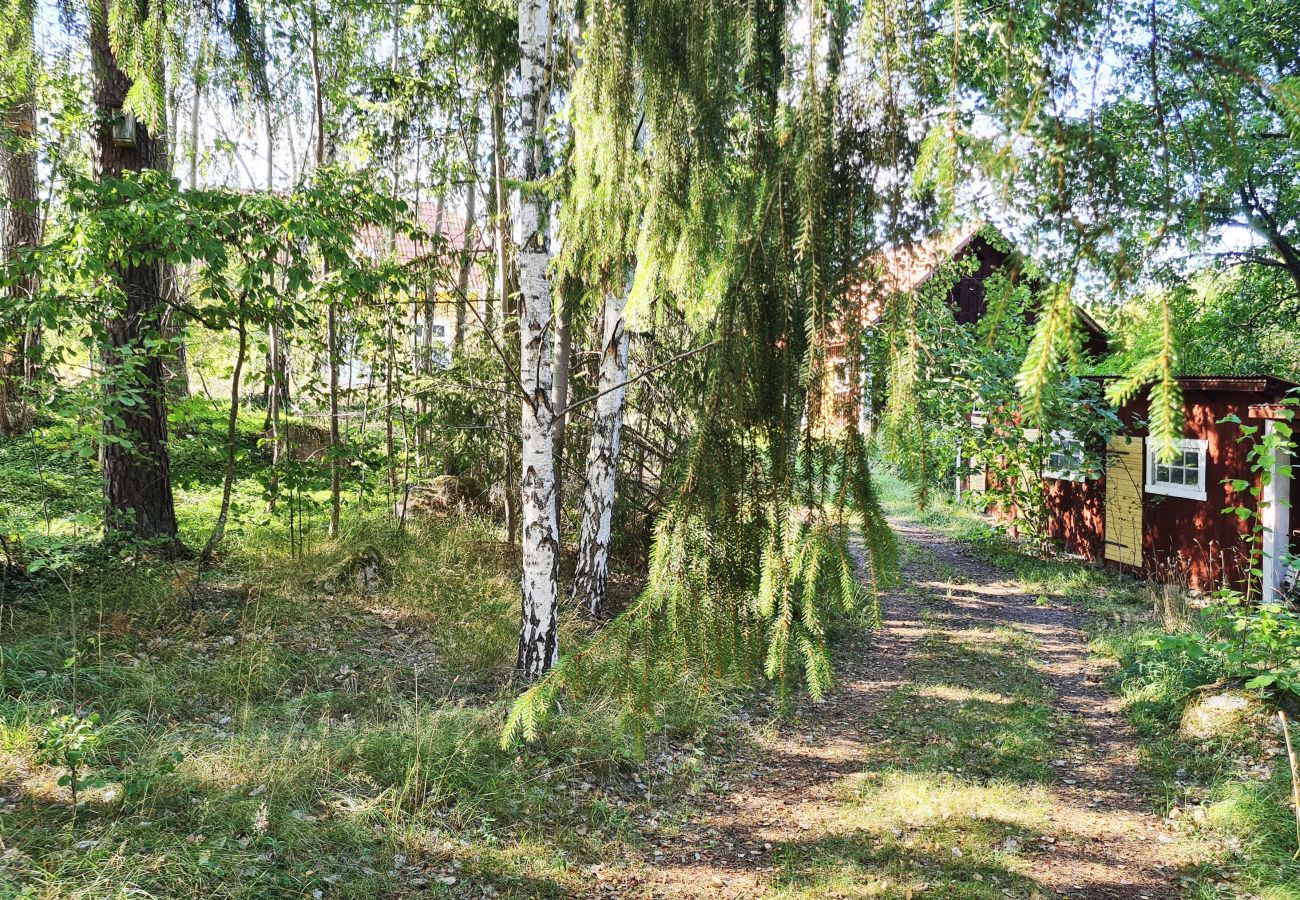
pixel 906 269
pixel 1169 520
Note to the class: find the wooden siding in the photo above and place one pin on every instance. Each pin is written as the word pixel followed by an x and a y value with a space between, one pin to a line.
pixel 1078 522
pixel 1184 538
pixel 1124 485
pixel 1195 539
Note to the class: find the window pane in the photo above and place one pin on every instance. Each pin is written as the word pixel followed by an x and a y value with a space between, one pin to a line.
pixel 1162 473
pixel 1175 475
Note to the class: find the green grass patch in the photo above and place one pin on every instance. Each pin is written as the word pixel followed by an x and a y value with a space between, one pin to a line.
pixel 272 729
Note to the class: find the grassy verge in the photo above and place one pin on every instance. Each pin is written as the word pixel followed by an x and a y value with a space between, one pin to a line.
pixel 1224 778
pixel 272 730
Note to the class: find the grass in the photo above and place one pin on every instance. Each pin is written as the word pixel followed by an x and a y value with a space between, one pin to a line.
pixel 1231 788
pixel 267 731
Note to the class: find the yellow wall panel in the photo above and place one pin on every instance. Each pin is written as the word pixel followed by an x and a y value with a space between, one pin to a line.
pixel 1125 471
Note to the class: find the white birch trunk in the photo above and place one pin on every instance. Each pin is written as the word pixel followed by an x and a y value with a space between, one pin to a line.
pixel 538 648
pixel 592 571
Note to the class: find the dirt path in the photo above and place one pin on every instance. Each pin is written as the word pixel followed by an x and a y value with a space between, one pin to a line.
pixel 970 750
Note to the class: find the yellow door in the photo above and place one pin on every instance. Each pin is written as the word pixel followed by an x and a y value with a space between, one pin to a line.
pixel 1124 479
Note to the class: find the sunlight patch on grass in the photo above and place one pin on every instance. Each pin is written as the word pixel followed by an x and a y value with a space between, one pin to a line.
pixel 954 694
pixel 932 833
pixel 898 799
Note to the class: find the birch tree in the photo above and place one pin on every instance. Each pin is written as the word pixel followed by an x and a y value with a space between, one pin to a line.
pixel 592 570
pixel 538 649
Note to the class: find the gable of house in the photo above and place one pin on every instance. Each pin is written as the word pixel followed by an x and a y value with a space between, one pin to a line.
pixel 908 268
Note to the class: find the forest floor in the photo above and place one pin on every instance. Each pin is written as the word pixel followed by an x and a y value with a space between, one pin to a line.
pixel 970 749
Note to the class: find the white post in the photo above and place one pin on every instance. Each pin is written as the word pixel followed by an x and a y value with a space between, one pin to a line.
pixel 1275 516
pixel 959 461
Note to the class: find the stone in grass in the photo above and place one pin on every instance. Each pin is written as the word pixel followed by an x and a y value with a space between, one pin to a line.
pixel 364 572
pixel 1216 714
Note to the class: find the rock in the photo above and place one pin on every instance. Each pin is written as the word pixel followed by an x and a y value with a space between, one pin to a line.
pixel 365 572
pixel 1216 714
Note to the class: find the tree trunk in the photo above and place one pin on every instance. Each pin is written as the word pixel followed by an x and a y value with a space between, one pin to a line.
pixel 467 251
pixel 137 469
pixel 538 649
pixel 177 364
pixel 509 295
pixel 592 572
pixel 21 229
pixel 563 367
pixel 331 312
pixel 277 368
pixel 389 350
pixel 232 444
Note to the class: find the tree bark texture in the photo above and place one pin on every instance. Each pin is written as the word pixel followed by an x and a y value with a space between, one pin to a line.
pixel 136 465
pixel 20 229
pixel 538 648
pixel 562 369
pixel 592 572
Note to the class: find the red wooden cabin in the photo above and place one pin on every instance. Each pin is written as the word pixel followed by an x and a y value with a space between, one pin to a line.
pixel 907 269
pixel 1169 520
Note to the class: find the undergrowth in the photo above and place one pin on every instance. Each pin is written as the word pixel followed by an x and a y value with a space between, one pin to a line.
pixel 272 728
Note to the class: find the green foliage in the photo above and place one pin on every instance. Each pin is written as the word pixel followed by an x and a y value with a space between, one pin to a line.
pixel 1227 320
pixel 70 742
pixel 1156 365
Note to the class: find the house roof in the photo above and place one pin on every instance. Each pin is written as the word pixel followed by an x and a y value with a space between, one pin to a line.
pixel 1252 384
pixel 429 220
pixel 1245 384
pixel 908 267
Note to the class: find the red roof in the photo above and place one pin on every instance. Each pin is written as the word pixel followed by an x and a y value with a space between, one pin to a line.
pixel 429 220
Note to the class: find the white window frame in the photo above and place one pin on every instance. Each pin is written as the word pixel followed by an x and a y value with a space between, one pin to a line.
pixel 1185 491
pixel 1058 440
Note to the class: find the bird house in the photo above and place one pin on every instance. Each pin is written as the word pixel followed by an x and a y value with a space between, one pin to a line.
pixel 123 128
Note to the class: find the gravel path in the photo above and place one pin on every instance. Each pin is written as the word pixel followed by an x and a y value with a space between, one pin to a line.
pixel 791 806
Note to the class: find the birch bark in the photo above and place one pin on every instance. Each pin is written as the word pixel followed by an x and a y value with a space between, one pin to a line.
pixel 538 649
pixel 592 572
